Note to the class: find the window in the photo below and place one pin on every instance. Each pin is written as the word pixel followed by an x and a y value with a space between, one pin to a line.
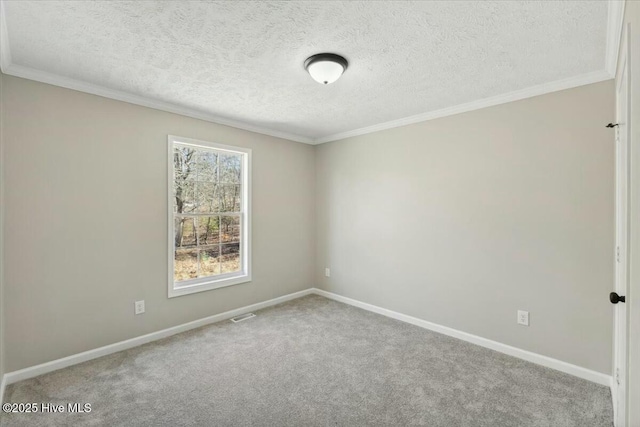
pixel 209 220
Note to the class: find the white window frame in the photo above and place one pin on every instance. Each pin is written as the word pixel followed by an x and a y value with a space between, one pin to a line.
pixel 213 282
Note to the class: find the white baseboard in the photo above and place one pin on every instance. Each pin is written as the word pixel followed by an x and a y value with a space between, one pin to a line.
pixel 539 359
pixel 3 384
pixel 54 365
pixel 614 400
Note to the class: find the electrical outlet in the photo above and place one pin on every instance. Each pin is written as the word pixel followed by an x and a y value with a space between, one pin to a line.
pixel 523 317
pixel 139 306
pixel 327 272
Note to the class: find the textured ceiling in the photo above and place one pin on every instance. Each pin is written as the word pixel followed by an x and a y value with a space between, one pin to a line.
pixel 242 61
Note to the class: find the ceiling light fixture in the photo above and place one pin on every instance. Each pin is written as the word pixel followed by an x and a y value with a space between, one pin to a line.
pixel 325 68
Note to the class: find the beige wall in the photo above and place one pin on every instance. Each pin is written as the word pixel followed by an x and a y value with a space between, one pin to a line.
pixel 460 221
pixel 632 17
pixel 86 221
pixel 464 220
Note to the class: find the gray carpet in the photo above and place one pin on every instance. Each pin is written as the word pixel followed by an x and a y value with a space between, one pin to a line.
pixel 313 362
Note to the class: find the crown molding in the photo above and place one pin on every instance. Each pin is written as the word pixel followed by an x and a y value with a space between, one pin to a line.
pixel 517 95
pixel 614 33
pixel 56 80
pixel 11 69
pixel 615 20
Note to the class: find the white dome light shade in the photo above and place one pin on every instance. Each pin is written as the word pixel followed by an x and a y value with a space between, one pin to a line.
pixel 325 72
pixel 325 68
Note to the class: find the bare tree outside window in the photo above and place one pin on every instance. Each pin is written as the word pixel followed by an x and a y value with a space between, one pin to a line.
pixel 207 212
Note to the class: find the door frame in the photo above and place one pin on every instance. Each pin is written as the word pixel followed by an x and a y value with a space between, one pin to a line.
pixel 622 240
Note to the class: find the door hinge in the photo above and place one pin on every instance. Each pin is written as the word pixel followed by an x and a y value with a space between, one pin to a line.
pixel 617 253
pixel 618 376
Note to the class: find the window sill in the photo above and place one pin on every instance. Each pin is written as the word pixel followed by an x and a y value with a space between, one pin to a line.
pixel 207 285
